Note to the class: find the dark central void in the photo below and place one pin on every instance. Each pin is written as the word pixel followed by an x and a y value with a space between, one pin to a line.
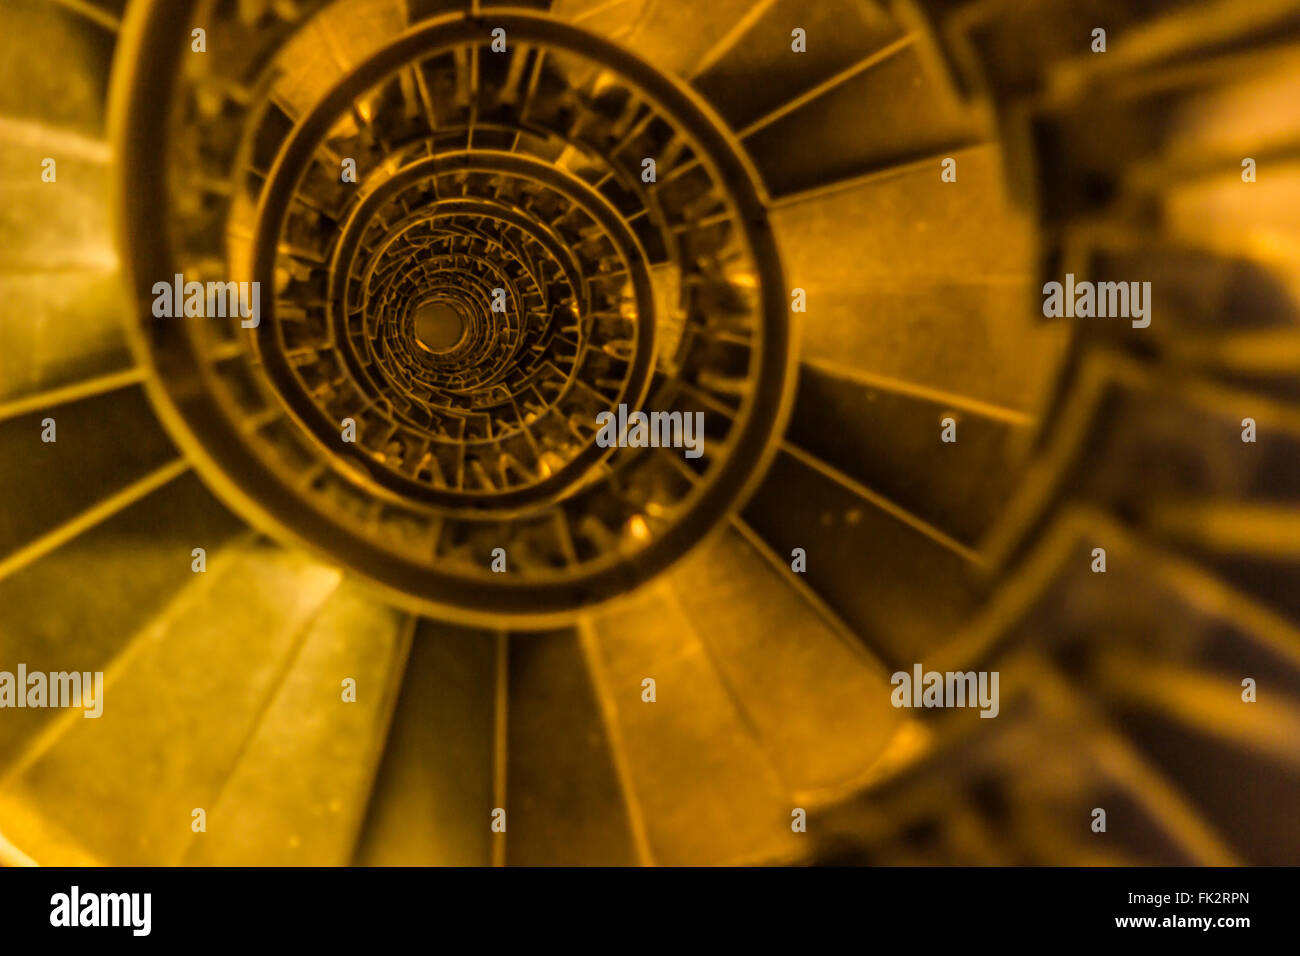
pixel 438 326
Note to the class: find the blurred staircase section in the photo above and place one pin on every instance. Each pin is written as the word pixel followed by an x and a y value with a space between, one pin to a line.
pixel 521 170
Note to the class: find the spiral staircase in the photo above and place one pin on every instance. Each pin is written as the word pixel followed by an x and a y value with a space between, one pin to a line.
pixel 495 585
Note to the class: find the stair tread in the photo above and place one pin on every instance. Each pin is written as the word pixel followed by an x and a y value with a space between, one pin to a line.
pixel 911 597
pixel 433 792
pixel 890 442
pixel 771 652
pixel 950 296
pixel 909 115
pixel 297 795
pixel 564 799
pixel 104 444
pixel 80 605
pixel 839 33
pixel 175 714
pixel 74 97
pixel 706 792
